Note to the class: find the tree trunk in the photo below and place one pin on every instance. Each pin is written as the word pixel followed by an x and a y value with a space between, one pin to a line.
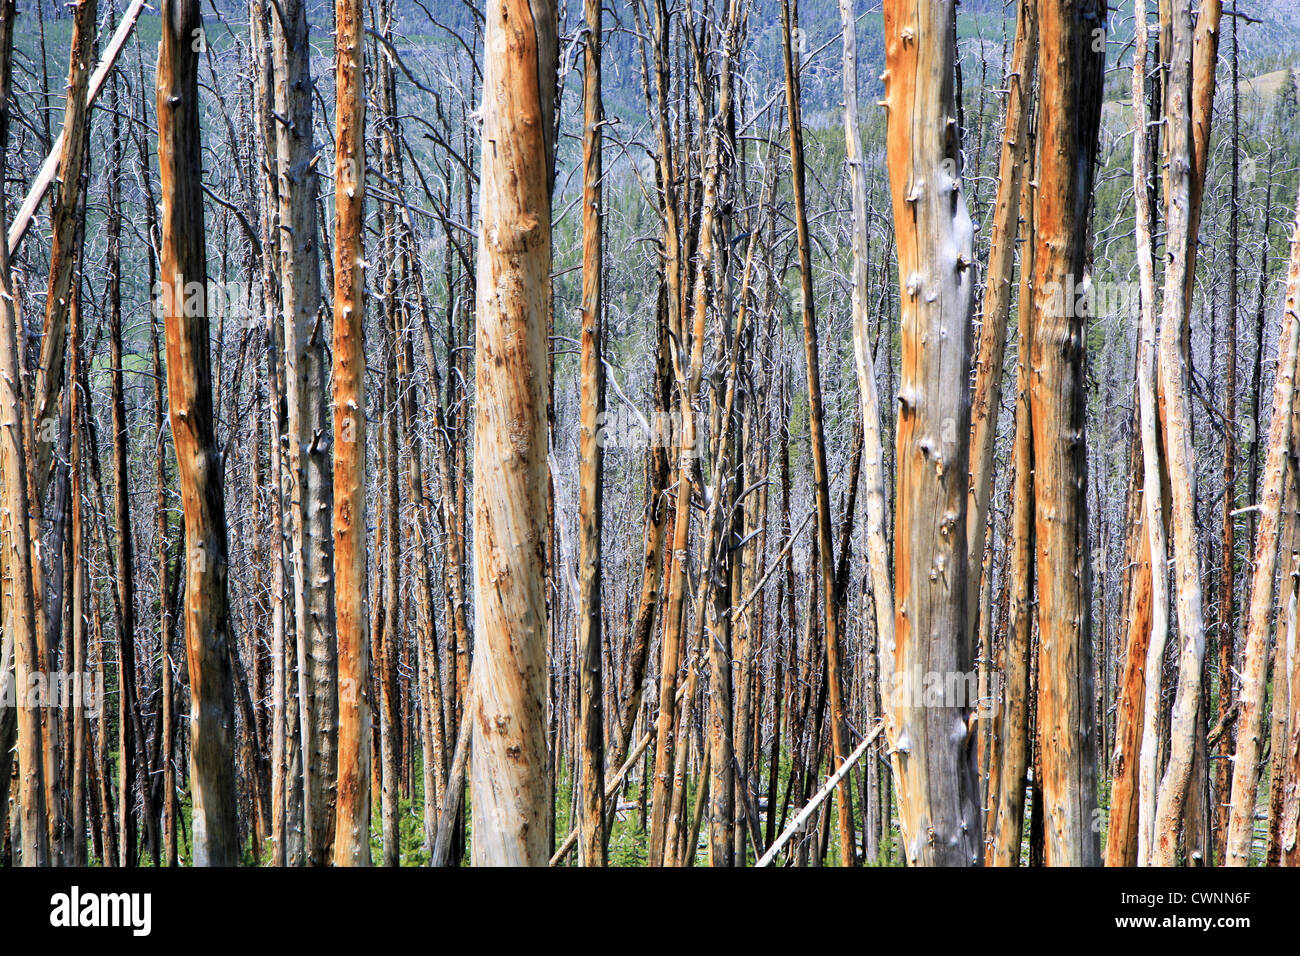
pixel 1071 92
pixel 877 524
pixel 1174 380
pixel 310 479
pixel 80 672
pixel 590 792
pixel 511 786
pixel 987 399
pixel 1286 765
pixel 8 708
pixel 1012 724
pixel 821 480
pixel 1254 676
pixel 1227 586
pixel 189 391
pixel 352 830
pixel 390 634
pixel 938 790
pixel 1153 520
pixel 65 219
pixel 689 371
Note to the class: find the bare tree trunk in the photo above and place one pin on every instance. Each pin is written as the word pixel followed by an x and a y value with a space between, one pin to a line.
pixel 1204 61
pixel 80 672
pixel 1126 826
pixel 821 480
pixel 352 831
pixel 987 399
pixel 132 746
pixel 189 391
pixel 511 786
pixel 19 609
pixel 658 465
pixel 1122 832
pixel 264 151
pixel 656 522
pixel 66 218
pixel 1071 91
pixel 76 129
pixel 389 635
pixel 663 822
pixel 419 533
pixel 311 484
pixel 1228 587
pixel 1254 677
pixel 687 385
pixel 8 709
pixel 1153 515
pixel 1011 728
pixel 108 839
pixel 590 792
pixel 877 524
pixel 1280 701
pixel 166 613
pixel 1174 377
pixel 1286 759
pixel 938 791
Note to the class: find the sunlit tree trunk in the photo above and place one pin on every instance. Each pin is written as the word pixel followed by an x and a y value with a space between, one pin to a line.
pixel 77 638
pixel 938 791
pixel 311 499
pixel 1204 62
pixel 189 390
pixel 986 404
pixel 1072 60
pixel 1012 721
pixel 590 796
pixel 1126 813
pixel 1181 198
pixel 76 128
pixel 1254 674
pixel 1153 522
pixel 687 384
pixel 509 766
pixel 1286 766
pixel 352 830
pixel 987 399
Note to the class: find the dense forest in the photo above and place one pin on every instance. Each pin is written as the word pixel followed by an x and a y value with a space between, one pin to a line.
pixel 650 433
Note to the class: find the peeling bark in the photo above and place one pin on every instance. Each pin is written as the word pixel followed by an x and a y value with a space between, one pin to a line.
pixel 509 763
pixel 189 391
pixel 932 747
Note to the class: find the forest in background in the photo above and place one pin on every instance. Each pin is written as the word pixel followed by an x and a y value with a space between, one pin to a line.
pixel 736 476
